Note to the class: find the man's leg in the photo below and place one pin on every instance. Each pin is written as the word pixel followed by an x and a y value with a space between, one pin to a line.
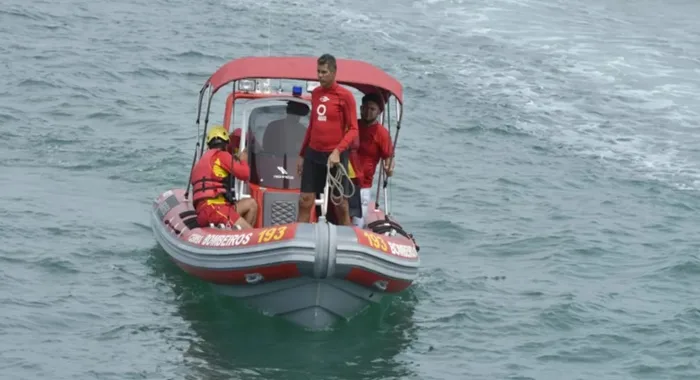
pixel 342 211
pixel 220 214
pixel 308 190
pixel 226 214
pixel 243 224
pixel 205 214
pixel 306 202
pixel 233 217
pixel 248 210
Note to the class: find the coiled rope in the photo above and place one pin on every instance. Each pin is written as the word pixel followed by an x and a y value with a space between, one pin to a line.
pixel 335 181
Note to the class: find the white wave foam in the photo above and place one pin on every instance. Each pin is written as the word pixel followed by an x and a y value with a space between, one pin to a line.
pixel 631 99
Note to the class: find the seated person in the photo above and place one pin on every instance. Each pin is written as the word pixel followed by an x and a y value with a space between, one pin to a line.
pixel 285 136
pixel 212 184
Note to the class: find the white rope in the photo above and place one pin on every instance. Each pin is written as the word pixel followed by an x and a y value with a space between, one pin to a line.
pixel 336 182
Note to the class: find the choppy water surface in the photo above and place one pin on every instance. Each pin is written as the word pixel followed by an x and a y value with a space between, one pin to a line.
pixel 548 166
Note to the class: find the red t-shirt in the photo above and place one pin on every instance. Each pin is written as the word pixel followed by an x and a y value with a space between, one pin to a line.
pixel 333 120
pixel 375 144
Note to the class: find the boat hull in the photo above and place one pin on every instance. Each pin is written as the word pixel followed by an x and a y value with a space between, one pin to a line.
pixel 312 274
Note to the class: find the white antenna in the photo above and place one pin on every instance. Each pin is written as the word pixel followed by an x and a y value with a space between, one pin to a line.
pixel 269 27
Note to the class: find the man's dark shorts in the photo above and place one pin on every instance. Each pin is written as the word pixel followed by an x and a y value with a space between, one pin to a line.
pixel 313 176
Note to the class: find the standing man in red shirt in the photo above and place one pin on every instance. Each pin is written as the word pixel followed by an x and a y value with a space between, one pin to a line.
pixel 375 145
pixel 332 127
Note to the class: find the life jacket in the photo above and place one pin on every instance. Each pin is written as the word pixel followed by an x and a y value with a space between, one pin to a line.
pixel 207 185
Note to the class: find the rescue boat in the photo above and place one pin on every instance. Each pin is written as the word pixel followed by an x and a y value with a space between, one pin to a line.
pixel 312 274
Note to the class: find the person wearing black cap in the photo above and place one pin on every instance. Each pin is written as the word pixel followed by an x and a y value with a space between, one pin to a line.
pixel 284 136
pixel 374 145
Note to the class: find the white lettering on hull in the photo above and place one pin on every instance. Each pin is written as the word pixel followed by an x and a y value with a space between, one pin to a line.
pixel 226 240
pixel 406 251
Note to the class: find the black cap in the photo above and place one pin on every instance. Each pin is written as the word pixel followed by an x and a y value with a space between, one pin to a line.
pixel 297 108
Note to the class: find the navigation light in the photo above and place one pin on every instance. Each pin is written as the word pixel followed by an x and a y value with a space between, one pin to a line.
pixel 246 85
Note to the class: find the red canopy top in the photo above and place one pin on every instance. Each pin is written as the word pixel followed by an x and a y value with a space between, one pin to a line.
pixel 358 74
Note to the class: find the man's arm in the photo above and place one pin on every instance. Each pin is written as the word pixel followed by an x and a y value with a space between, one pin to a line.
pixel 312 116
pixel 307 136
pixel 350 121
pixel 239 169
pixel 386 149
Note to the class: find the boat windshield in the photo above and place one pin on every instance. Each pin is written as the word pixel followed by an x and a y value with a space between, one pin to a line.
pixel 276 131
